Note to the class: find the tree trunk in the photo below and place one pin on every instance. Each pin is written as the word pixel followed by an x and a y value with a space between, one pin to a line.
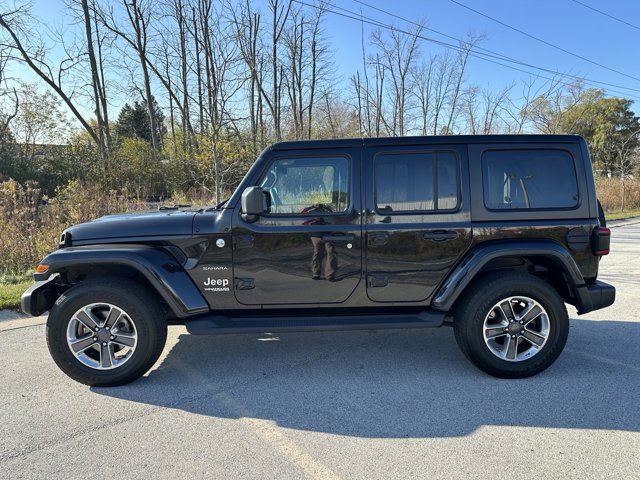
pixel 95 80
pixel 196 42
pixel 139 24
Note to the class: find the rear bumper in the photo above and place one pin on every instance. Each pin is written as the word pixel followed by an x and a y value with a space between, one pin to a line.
pixel 595 296
pixel 39 297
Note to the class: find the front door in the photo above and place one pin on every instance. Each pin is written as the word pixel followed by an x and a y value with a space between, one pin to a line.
pixel 419 221
pixel 307 249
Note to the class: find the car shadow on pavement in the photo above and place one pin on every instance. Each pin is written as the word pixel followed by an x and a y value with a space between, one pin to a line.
pixel 388 384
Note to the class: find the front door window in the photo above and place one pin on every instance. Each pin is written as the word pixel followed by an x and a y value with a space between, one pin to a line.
pixel 308 185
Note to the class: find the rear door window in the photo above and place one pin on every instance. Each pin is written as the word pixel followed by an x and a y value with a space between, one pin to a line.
pixel 529 179
pixel 416 182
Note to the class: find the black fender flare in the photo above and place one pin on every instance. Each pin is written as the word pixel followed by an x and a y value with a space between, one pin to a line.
pixel 158 267
pixel 478 257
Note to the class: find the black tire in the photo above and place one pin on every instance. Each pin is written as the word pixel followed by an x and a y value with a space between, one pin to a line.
pixel 476 304
pixel 136 301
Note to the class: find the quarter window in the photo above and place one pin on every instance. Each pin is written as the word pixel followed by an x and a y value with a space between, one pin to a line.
pixel 529 179
pixel 416 182
pixel 308 185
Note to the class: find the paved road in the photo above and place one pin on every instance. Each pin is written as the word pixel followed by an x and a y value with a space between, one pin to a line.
pixel 401 404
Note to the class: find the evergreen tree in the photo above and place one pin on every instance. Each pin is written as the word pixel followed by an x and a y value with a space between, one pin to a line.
pixel 133 121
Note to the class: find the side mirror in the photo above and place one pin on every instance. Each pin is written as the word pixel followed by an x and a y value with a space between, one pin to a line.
pixel 253 203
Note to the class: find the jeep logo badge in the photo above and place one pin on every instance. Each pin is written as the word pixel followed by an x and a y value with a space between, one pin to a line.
pixel 220 243
pixel 216 285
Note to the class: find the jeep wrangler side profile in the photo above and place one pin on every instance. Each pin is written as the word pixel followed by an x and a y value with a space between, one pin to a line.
pixel 491 235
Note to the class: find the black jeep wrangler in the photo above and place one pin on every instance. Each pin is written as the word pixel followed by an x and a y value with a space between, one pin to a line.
pixel 489 234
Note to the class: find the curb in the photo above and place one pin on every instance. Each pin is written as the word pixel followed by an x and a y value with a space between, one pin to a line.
pixel 9 314
pixel 22 322
pixel 623 222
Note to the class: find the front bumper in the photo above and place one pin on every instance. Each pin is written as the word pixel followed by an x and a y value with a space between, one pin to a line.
pixel 595 296
pixel 40 296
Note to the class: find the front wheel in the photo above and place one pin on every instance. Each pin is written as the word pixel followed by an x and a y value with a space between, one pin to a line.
pixel 511 325
pixel 106 332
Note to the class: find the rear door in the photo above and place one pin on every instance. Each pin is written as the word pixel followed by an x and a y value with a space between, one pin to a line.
pixel 418 223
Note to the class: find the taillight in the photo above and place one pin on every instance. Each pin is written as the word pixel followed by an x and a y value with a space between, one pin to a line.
pixel 601 241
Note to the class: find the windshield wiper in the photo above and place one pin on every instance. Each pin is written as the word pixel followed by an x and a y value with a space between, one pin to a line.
pixel 218 206
pixel 177 206
pixel 221 204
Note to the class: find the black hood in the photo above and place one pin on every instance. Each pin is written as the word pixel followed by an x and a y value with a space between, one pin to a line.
pixel 134 225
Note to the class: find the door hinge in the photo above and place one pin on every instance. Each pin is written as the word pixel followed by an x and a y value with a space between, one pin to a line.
pixel 243 241
pixel 376 239
pixel 378 280
pixel 440 235
pixel 245 283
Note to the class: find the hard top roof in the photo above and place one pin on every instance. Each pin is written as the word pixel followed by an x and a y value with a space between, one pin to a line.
pixel 424 140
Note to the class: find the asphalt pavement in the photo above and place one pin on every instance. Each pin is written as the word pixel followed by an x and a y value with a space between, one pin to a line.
pixel 366 405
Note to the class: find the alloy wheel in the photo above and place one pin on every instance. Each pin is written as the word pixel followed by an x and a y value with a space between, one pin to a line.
pixel 516 328
pixel 102 336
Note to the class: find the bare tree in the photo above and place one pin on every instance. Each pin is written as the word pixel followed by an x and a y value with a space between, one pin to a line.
pixel 463 56
pixel 198 65
pixel 545 110
pixel 137 40
pixel 177 11
pixel 423 84
pixel 318 50
pixel 279 16
pixel 12 23
pixel 8 94
pixel 399 53
pixel 246 23
pixel 139 15
pixel 97 76
pixel 306 65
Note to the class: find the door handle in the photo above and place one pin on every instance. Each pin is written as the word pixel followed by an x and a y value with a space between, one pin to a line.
pixel 243 241
pixel 339 238
pixel 440 235
pixel 377 239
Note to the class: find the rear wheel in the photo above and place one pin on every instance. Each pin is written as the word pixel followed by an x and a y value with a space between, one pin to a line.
pixel 511 325
pixel 106 332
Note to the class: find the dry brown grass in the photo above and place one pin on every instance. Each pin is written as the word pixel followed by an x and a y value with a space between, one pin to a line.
pixel 609 193
pixel 31 223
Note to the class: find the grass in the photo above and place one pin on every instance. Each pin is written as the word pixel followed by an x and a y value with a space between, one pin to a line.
pixel 11 288
pixel 10 294
pixel 620 215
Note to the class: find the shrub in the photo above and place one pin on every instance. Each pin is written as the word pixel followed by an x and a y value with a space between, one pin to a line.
pixel 31 223
pixel 609 193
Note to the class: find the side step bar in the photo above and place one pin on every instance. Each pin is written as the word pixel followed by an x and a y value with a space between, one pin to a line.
pixel 219 324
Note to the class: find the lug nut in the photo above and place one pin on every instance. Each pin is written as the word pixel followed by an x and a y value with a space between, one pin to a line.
pixel 112 337
pixel 104 344
pixel 95 339
pixel 513 336
pixel 96 329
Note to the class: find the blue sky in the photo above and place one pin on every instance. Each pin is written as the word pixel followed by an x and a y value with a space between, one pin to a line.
pixel 562 22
